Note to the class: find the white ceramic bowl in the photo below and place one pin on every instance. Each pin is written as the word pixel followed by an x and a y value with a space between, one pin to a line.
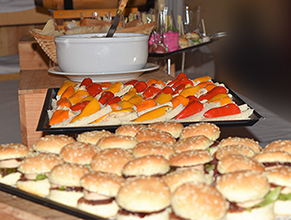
pixel 94 53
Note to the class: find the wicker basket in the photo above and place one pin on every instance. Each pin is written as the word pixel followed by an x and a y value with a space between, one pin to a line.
pixel 48 45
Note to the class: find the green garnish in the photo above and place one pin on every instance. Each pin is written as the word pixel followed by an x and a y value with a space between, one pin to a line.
pixel 271 197
pixel 62 188
pixel 209 167
pixel 285 197
pixel 40 177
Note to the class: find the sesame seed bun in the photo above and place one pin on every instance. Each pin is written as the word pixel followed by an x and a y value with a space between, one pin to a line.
pixel 193 143
pixel 13 151
pixel 146 165
pixel 174 128
pixel 129 130
pixel 237 162
pixel 153 147
pixel 52 143
pixel 190 158
pixel 144 194
pixel 183 42
pixel 210 130
pixel 67 174
pixel 147 134
pixel 93 137
pixel 117 141
pixel 283 145
pixel 111 160
pixel 78 152
pixel 273 156
pixel 178 177
pixel 199 200
pixel 234 149
pixel 36 163
pixel 236 186
pixel 251 143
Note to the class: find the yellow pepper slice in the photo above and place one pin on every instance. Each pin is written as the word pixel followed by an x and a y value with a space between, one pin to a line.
pixel 163 98
pixel 88 98
pixel 125 104
pixel 92 107
pixel 202 79
pixel 153 114
pixel 223 101
pixel 65 85
pixel 189 91
pixel 217 97
pixel 135 99
pixel 78 96
pixel 130 93
pixel 116 87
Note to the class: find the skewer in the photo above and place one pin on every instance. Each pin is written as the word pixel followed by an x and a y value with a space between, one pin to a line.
pixel 203 26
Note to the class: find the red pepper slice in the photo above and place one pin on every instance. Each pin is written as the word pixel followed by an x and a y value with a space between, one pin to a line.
pixel 140 86
pixel 229 109
pixel 166 90
pixel 184 80
pixel 178 77
pixel 106 95
pixel 79 106
pixel 94 89
pixel 192 98
pixel 213 92
pixel 131 82
pixel 86 82
pixel 115 99
pixel 150 91
pixel 179 88
pixel 191 109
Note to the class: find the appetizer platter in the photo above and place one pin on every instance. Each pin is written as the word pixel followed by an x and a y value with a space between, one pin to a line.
pixel 77 107
pixel 105 175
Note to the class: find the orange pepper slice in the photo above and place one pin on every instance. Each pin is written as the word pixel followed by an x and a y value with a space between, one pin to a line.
pixel 115 106
pixel 189 91
pixel 114 88
pixel 223 101
pixel 151 81
pixel 217 97
pixel 78 96
pixel 210 87
pixel 130 93
pixel 106 84
pixel 68 92
pixel 126 104
pixel 145 104
pixel 65 85
pixel 202 79
pixel 153 114
pixel 59 116
pixel 88 98
pixel 179 100
pixel 135 99
pixel 160 82
pixel 92 107
pixel 163 98
pixel 205 83
pixel 64 102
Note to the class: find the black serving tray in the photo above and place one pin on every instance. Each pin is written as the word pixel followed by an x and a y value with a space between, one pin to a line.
pixel 48 203
pixel 51 93
pixel 187 49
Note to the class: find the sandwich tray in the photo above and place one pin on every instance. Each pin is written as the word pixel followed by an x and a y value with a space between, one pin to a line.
pixel 43 124
pixel 187 49
pixel 48 203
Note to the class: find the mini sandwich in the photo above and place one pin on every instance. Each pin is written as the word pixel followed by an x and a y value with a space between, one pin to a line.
pixel 153 147
pixel 178 177
pixel 100 190
pixel 93 137
pixel 144 198
pixel 111 160
pixel 233 149
pixel 65 183
pixel 129 130
pixel 11 156
pixel 35 168
pixel 147 134
pixel 247 192
pixel 78 152
pixel 199 201
pixel 280 180
pixel 209 130
pixel 52 143
pixel 199 142
pixel 273 159
pixel 237 162
pixel 284 145
pixel 251 143
pixel 117 141
pixel 150 165
pixel 172 127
